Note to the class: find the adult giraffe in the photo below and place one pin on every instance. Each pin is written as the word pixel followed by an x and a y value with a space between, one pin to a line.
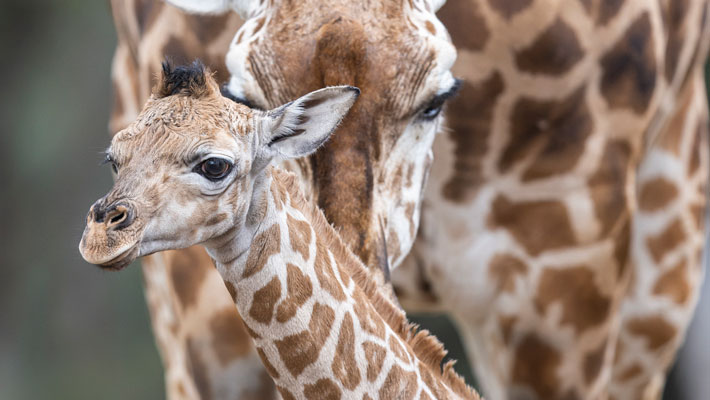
pixel 368 178
pixel 571 188
pixel 577 122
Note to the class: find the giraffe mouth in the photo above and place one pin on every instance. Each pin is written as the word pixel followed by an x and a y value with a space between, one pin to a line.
pixel 122 260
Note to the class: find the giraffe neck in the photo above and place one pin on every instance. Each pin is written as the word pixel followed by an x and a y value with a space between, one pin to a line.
pixel 319 324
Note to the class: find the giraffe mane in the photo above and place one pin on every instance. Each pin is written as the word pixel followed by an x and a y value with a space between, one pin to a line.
pixel 428 349
pixel 191 80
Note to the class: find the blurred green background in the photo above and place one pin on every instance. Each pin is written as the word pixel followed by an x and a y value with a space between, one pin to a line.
pixel 67 329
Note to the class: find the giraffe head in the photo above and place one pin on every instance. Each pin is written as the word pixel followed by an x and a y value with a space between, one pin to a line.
pixel 368 178
pixel 185 169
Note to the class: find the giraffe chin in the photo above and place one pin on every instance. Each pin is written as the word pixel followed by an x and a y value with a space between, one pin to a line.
pixel 122 260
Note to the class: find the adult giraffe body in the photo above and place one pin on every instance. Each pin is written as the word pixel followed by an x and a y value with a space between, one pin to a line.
pixel 577 124
pixel 571 188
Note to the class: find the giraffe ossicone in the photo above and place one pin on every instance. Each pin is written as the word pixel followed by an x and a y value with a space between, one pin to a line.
pixel 194 168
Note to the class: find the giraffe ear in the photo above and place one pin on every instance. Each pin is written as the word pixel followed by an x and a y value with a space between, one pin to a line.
pixel 437 4
pixel 245 8
pixel 434 5
pixel 300 127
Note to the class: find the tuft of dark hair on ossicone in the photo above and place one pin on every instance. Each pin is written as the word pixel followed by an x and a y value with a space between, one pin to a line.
pixel 189 80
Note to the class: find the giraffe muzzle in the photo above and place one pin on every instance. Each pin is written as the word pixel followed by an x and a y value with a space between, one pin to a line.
pixel 110 239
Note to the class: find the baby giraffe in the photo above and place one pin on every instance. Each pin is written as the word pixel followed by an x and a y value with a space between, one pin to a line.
pixel 195 168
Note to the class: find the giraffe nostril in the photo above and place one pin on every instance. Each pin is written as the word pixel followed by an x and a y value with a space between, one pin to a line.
pixel 118 217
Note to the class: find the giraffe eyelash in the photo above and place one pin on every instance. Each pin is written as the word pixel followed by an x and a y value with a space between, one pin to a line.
pixel 433 107
pixel 108 159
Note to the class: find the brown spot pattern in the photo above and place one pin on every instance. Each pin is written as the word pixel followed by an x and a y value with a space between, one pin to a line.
pixel 207 27
pixel 430 27
pixel 621 248
pixel 344 366
pixel 176 51
pixel 537 225
pixel 630 373
pixel 324 273
pixel 437 389
pixel 593 362
pixel 146 12
pixel 664 242
pixel 655 329
pixel 264 301
pixel 508 8
pixel 608 10
pixel 399 384
pixel 370 321
pixel 216 219
pixel 285 394
pixel 188 270
pixel 276 195
pixel 674 283
pixel 553 132
pixel 554 52
pixel 607 185
pixel 266 244
pixel 230 339
pixel 375 356
pixel 503 268
pixel 629 68
pixel 273 372
pixel 231 289
pixel 583 306
pixel 299 289
pixel 656 194
pixel 469 118
pixel 506 323
pixel 699 145
pixel 299 233
pixel 465 24
pixel 398 350
pixel 535 366
pixel 198 370
pixel 302 349
pixel 675 23
pixel 323 389
pixel 602 10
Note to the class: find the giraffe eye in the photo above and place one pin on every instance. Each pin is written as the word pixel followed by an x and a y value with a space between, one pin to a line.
pixel 109 160
pixel 214 168
pixel 432 111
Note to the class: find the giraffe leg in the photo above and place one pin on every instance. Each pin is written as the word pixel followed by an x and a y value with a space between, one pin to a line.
pixel 666 249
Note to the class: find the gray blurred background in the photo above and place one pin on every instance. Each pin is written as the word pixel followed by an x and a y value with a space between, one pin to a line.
pixel 67 329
